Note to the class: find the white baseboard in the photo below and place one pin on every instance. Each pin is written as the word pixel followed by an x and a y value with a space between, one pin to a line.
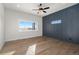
pixel 21 38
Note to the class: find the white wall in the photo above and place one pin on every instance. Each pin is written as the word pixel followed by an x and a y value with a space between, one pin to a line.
pixel 1 26
pixel 12 33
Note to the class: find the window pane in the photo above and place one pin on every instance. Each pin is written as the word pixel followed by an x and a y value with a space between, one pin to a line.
pixel 26 25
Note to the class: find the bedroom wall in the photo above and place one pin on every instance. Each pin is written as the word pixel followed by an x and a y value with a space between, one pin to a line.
pixel 1 26
pixel 68 29
pixel 12 18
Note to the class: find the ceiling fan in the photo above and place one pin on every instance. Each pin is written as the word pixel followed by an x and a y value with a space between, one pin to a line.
pixel 43 9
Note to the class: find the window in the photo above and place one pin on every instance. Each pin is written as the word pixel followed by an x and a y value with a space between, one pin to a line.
pixel 56 22
pixel 27 26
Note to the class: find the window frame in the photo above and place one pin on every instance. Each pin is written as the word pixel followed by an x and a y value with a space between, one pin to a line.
pixel 36 25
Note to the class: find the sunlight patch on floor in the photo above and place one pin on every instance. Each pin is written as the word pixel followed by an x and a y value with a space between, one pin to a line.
pixel 31 50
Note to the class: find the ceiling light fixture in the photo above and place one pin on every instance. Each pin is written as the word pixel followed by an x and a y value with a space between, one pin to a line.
pixel 41 10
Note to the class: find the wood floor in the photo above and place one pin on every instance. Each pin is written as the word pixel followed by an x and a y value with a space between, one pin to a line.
pixel 41 46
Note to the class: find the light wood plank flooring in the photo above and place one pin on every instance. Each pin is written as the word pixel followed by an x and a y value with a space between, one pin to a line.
pixel 41 46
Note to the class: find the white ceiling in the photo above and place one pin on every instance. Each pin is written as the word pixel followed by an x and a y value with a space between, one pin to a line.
pixel 28 7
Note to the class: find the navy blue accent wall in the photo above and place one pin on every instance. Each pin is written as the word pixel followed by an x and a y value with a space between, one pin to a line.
pixel 68 29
